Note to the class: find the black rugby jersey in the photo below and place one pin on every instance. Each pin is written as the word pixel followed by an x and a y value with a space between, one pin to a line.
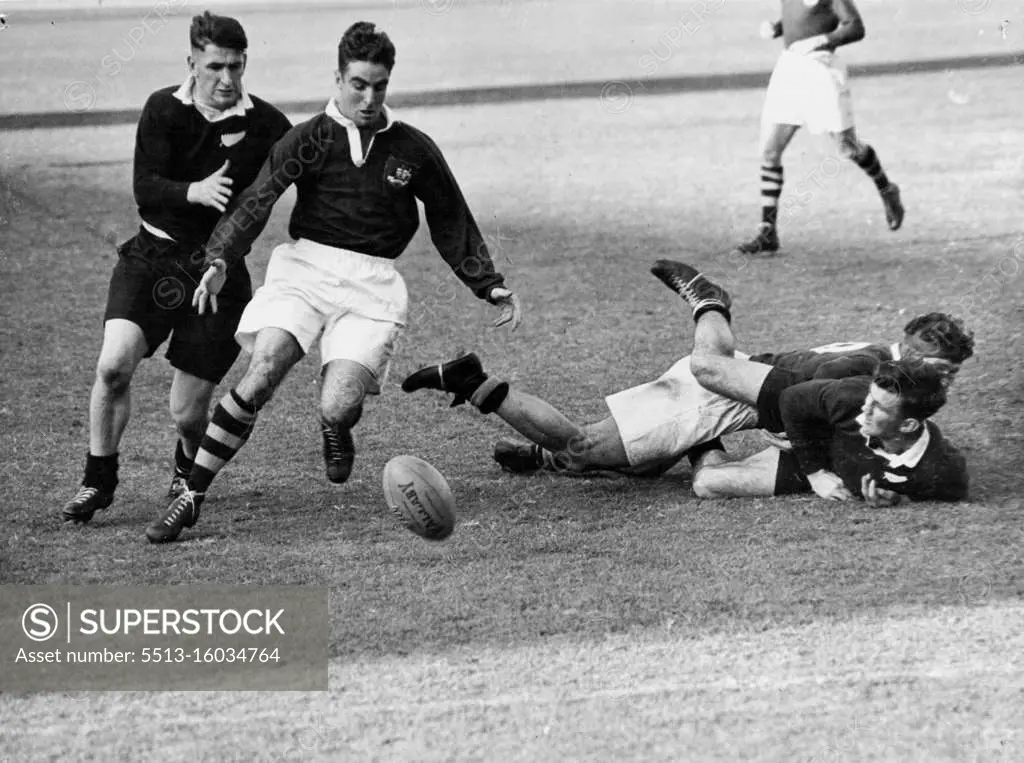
pixel 808 18
pixel 175 146
pixel 831 361
pixel 821 419
pixel 363 203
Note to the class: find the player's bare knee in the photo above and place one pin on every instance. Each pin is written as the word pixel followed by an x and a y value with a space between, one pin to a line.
pixel 336 414
pixel 568 461
pixel 705 483
pixel 114 375
pixel 848 148
pixel 578 454
pixel 191 428
pixel 703 368
pixel 343 394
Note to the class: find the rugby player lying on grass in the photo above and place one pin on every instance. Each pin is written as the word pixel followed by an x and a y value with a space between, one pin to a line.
pixel 861 437
pixel 653 425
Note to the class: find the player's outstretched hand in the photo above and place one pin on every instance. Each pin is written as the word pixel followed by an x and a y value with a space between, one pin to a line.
pixel 829 486
pixel 511 311
pixel 877 496
pixel 214 191
pixel 209 287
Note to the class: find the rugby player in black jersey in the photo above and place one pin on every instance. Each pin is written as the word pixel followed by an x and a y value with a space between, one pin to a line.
pixel 864 437
pixel 196 146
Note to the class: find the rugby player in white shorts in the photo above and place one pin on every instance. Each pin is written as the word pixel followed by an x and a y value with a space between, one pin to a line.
pixel 359 173
pixel 652 426
pixel 863 437
pixel 809 87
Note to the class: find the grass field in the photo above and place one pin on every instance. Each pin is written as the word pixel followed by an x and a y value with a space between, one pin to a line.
pixel 597 618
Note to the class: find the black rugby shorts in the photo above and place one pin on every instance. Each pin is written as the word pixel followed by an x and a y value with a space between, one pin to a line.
pixel 152 286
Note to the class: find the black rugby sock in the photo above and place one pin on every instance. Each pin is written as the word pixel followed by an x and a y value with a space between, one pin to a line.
pixel 868 161
pixel 101 472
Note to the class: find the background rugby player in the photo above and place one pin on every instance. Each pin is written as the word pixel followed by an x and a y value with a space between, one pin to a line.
pixel 809 87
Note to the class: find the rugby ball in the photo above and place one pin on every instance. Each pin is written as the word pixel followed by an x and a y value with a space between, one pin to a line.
pixel 419 496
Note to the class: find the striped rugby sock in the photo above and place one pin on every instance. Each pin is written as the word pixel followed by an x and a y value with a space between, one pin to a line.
pixel 229 429
pixel 771 190
pixel 868 161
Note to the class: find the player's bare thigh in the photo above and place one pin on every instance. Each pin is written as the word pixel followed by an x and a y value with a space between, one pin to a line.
pixel 734 378
pixel 752 476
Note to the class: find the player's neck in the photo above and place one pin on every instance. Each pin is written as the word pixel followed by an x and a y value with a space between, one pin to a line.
pixel 902 443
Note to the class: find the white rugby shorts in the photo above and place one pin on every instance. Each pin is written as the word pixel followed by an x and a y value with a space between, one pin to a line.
pixel 357 304
pixel 660 420
pixel 810 90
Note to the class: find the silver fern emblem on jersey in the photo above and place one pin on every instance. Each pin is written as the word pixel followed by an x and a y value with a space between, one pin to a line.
pixel 229 139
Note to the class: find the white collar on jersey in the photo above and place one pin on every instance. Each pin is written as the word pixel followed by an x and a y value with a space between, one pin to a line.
pixel 184 94
pixel 355 142
pixel 908 458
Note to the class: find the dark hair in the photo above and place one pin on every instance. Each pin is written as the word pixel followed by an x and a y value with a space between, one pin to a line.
pixel 222 31
pixel 921 386
pixel 946 334
pixel 362 42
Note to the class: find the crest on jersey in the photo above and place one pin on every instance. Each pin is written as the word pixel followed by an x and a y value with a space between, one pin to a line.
pixel 229 139
pixel 398 173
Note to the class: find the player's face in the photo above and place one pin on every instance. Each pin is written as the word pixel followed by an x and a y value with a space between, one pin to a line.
pixel 218 74
pixel 362 88
pixel 880 415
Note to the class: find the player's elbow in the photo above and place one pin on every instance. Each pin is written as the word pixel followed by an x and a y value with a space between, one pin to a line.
pixel 856 31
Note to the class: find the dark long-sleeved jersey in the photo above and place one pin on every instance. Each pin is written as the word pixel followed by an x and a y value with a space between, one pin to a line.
pixel 808 18
pixel 821 419
pixel 363 203
pixel 831 361
pixel 176 146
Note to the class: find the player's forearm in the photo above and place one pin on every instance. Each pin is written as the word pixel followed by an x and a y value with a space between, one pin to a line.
pixel 240 226
pixel 247 215
pixel 848 31
pixel 458 240
pixel 470 262
pixel 152 190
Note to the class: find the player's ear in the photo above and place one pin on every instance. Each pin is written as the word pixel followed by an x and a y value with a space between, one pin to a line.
pixel 909 426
